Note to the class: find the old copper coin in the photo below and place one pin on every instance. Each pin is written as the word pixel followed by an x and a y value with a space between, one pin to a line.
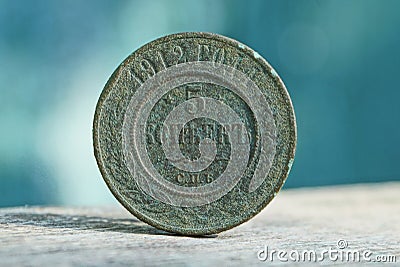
pixel 194 133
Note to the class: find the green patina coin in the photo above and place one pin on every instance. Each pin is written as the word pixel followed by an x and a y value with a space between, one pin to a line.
pixel 194 133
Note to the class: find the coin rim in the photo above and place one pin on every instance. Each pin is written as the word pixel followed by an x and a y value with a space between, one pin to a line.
pixel 108 87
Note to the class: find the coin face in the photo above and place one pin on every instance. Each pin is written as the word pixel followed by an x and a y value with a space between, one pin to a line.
pixel 194 133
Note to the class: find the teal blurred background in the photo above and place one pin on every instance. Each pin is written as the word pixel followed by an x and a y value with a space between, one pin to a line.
pixel 340 61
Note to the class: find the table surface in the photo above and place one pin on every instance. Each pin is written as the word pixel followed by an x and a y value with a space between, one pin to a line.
pixel 296 224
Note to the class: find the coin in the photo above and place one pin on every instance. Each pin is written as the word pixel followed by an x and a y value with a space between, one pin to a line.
pixel 194 133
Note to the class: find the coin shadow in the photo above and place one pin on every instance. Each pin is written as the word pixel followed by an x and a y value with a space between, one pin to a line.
pixel 81 222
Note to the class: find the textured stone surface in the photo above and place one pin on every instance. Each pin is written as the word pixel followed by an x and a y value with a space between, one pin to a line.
pixel 366 216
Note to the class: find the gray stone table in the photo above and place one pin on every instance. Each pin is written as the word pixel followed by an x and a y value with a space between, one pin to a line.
pixel 363 218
